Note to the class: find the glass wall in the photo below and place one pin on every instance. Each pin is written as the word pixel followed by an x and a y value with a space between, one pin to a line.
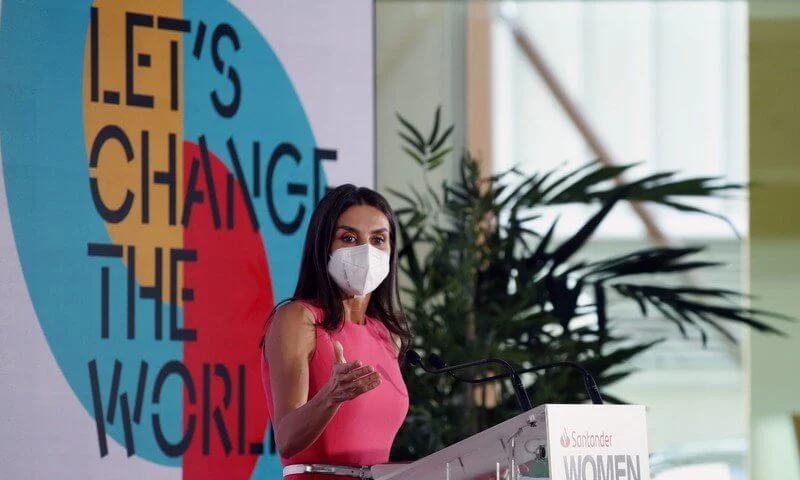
pixel 668 86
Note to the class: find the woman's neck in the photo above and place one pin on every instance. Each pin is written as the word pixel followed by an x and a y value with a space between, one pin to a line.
pixel 355 309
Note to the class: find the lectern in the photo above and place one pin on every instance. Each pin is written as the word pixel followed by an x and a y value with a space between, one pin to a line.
pixel 559 442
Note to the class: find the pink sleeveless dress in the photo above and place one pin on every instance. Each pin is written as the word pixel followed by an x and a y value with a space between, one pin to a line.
pixel 363 429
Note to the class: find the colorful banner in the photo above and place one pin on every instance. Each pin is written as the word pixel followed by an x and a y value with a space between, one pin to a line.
pixel 160 162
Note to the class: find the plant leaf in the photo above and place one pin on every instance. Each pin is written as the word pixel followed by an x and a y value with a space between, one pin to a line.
pixel 413 130
pixel 436 146
pixel 420 148
pixel 437 159
pixel 572 245
pixel 435 131
pixel 413 155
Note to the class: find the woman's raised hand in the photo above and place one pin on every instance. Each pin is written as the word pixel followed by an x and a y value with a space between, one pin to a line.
pixel 349 380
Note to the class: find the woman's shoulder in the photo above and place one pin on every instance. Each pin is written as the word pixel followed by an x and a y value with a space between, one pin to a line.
pixel 292 326
pixel 298 312
pixel 291 319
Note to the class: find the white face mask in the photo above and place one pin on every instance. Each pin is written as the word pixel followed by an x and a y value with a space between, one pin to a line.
pixel 358 270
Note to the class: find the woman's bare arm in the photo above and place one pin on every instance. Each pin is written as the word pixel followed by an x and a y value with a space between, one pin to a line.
pixel 298 421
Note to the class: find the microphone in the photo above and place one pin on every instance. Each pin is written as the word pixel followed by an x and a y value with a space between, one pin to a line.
pixel 413 358
pixel 589 381
pixel 524 402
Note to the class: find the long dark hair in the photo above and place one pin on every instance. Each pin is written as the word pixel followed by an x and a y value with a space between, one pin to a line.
pixel 316 286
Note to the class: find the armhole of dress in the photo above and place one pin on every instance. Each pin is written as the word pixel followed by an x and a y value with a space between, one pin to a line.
pixel 387 335
pixel 310 308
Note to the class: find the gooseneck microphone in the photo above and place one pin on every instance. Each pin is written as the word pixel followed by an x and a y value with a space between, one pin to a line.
pixel 588 379
pixel 523 400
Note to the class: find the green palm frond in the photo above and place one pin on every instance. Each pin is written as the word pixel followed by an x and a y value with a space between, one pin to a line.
pixel 485 278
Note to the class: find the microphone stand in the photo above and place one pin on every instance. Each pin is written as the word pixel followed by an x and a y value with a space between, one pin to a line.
pixel 588 379
pixel 521 395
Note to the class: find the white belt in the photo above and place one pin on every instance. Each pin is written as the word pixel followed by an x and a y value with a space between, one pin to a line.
pixel 339 470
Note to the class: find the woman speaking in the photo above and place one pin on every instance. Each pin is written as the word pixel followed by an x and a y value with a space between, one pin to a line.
pixel 330 365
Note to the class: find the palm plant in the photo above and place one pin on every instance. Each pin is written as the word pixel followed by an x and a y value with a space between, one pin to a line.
pixel 484 281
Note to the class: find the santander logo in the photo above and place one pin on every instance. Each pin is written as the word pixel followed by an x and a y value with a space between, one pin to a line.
pixel 586 439
pixel 564 438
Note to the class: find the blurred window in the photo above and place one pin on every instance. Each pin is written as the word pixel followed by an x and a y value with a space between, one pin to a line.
pixel 662 83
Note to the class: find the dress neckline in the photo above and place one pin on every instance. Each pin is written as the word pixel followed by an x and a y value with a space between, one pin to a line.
pixel 367 321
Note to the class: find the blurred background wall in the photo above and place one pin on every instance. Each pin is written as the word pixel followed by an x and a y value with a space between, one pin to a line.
pixel 774 392
pixel 705 88
pixel 420 63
